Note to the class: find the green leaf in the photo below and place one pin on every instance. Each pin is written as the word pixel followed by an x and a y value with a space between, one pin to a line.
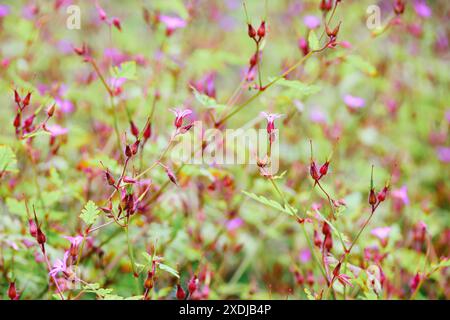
pixel 16 207
pixel 361 64
pixel 8 161
pixel 126 70
pixel 308 294
pixel 168 269
pixel 313 41
pixel 298 87
pixel 207 101
pixel 90 213
pixel 271 203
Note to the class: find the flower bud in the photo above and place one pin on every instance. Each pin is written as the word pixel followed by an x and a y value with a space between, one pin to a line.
pixel 262 30
pixel 32 228
pixel 326 230
pixel 40 236
pixel 17 120
pixel 26 101
pixel 372 197
pixel 12 292
pixel 128 152
pixel 382 194
pixel 17 97
pixel 192 285
pixel 171 176
pixel 135 147
pixel 134 130
pixel 251 31
pixel 324 168
pixel 51 111
pixel 180 293
pixel 109 178
pixel 147 131
pixel 313 171
pixel 116 23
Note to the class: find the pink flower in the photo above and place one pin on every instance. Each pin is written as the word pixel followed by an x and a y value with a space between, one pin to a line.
pixel 180 115
pixel 381 232
pixel 422 9
pixel 305 255
pixel 172 23
pixel 4 10
pixel 401 194
pixel 234 224
pixel 270 120
pixel 317 116
pixel 57 130
pixel 443 154
pixel 354 102
pixel 312 22
pixel 60 266
pixel 101 13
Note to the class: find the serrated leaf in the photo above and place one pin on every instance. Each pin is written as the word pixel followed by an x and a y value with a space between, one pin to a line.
pixel 168 269
pixel 8 161
pixel 126 70
pixel 90 213
pixel 313 41
pixel 271 203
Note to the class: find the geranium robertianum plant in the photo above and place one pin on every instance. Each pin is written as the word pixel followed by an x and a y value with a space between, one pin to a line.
pixel 224 149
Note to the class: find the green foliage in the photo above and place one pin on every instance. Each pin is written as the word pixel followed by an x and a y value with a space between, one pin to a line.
pixel 90 213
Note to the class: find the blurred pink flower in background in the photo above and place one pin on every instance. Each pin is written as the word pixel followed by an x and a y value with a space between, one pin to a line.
pixel 443 154
pixel 4 10
pixel 234 224
pixel 317 116
pixel 354 102
pixel 382 233
pixel 57 130
pixel 312 22
pixel 172 23
pixel 422 9
pixel 305 255
pixel 400 198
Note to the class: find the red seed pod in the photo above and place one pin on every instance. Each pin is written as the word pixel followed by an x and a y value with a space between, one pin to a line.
pixel 17 120
pixel 254 60
pixel 326 230
pixel 310 278
pixel 317 239
pixel 328 242
pixel 299 278
pixel 27 99
pixel 51 111
pixel 382 194
pixel 147 131
pixel 324 168
pixel 180 293
pixel 303 46
pixel 337 269
pixel 262 30
pixel 135 147
pixel 192 285
pixel 109 178
pixel 80 51
pixel 251 31
pixel 116 23
pixel 313 171
pixel 134 130
pixel 128 152
pixel 148 284
pixel 40 236
pixel 372 197
pixel 32 228
pixel 17 97
pixel 171 176
pixel 12 292
pixel 399 7
pixel 28 121
pixel 326 5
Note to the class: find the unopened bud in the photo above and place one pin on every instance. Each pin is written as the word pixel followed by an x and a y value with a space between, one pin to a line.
pixel 51 111
pixel 192 285
pixel 12 292
pixel 134 129
pixel 372 197
pixel 180 293
pixel 251 31
pixel 40 236
pixel 262 30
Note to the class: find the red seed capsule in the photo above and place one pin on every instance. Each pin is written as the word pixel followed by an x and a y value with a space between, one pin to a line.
pixel 17 97
pixel 147 131
pixel 326 230
pixel 109 178
pixel 32 228
pixel 262 30
pixel 180 293
pixel 192 285
pixel 324 168
pixel 251 31
pixel 313 171
pixel 27 99
pixel 51 111
pixel 40 236
pixel 372 197
pixel 17 120
pixel 116 23
pixel 12 292
pixel 382 194
pixel 128 152
pixel 134 129
pixel 135 147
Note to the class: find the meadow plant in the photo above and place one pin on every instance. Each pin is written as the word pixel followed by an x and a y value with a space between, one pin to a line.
pixel 348 197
